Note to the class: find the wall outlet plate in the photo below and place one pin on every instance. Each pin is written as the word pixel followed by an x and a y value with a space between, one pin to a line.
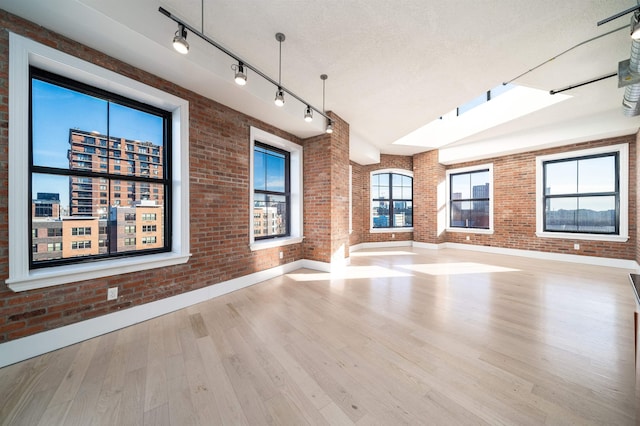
pixel 112 293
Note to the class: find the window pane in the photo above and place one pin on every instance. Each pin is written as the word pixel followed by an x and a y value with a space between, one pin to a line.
pixel 597 214
pixel 561 178
pixel 136 227
pixel 597 175
pixel 380 214
pixel 402 213
pixel 460 212
pixel 269 215
pixel 56 110
pixel 460 187
pixel 479 214
pixel 259 169
pixel 480 184
pixel 561 214
pixel 275 172
pixel 380 186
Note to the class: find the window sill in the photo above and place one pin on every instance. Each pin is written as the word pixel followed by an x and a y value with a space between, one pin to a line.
pixel 471 230
pixel 389 230
pixel 588 237
pixel 277 242
pixel 41 278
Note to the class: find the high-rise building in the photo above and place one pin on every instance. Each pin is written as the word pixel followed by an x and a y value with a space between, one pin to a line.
pixel 92 151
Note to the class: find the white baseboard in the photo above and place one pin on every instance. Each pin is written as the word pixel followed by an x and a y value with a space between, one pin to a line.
pixel 47 341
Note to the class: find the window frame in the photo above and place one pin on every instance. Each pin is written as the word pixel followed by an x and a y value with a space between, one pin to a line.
pixel 24 53
pixel 286 193
pixel 295 189
pixel 623 188
pixel 100 176
pixel 407 173
pixel 463 170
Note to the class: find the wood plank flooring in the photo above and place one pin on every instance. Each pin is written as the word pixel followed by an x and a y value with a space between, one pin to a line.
pixel 404 336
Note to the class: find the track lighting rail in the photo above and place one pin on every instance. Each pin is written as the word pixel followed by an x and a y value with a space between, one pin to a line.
pixel 239 59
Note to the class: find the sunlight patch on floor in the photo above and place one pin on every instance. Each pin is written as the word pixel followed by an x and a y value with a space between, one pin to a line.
pixel 457 268
pixel 350 272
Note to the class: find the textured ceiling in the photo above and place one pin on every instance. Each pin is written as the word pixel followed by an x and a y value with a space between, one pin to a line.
pixel 392 66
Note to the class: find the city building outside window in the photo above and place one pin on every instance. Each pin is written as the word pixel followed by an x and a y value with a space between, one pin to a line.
pixel 391 199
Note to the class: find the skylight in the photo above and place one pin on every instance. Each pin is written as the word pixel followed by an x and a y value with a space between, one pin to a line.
pixel 497 106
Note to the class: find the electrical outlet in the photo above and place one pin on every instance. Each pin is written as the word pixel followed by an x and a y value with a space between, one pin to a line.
pixel 112 293
pixel 576 246
pixel 468 238
pixel 281 255
pixel 393 235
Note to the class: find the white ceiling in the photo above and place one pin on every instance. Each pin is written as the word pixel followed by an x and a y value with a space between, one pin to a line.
pixel 392 66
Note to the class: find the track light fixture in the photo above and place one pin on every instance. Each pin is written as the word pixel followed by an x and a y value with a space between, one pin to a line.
pixel 308 114
pixel 241 75
pixel 180 40
pixel 329 128
pixel 279 101
pixel 240 69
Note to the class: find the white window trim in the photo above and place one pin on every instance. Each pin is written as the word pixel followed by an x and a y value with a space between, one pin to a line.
pixel 623 152
pixel 450 172
pixel 373 230
pixel 295 189
pixel 24 52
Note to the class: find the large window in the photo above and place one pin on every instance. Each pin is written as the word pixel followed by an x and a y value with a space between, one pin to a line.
pixel 271 192
pixel 391 200
pixel 469 199
pixel 54 183
pixel 275 215
pixel 68 119
pixel 584 194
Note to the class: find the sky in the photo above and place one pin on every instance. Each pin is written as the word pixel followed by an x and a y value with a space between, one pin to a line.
pixel 55 110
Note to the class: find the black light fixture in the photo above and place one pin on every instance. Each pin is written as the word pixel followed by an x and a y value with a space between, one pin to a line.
pixel 308 114
pixel 180 40
pixel 240 76
pixel 279 100
pixel 329 128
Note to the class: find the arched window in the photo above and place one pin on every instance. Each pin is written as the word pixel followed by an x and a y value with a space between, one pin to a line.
pixel 391 199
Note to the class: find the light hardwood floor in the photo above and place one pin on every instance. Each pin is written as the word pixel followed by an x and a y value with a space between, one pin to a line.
pixel 404 336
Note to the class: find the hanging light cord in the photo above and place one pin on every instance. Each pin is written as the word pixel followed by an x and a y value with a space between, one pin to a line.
pixel 247 65
pixel 564 52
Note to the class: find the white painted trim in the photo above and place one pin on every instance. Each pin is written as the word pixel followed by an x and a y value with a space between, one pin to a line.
pixel 623 236
pixel 47 341
pixel 389 230
pixel 428 246
pixel 24 52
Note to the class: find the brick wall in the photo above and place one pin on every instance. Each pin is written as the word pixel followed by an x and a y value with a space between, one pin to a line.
pixel 219 180
pixel 514 179
pixel 358 206
pixel 326 194
pixel 428 179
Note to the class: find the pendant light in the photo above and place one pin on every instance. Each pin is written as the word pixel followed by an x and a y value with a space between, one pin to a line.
pixel 329 128
pixel 279 100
